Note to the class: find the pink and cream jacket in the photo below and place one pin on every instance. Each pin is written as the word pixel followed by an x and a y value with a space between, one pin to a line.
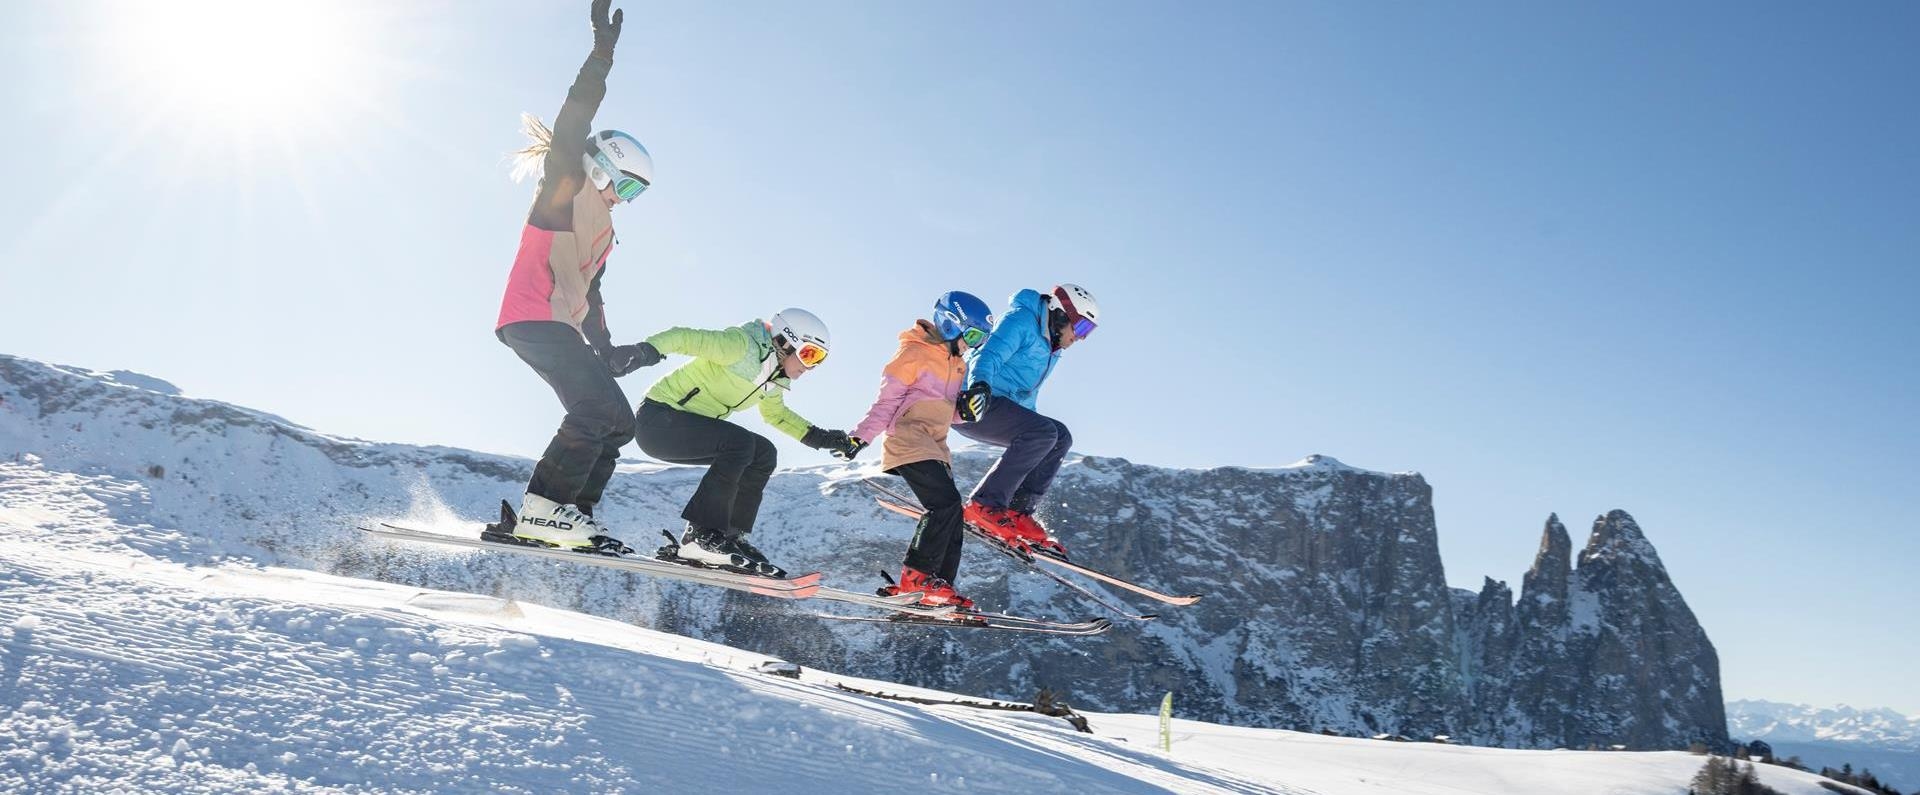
pixel 569 231
pixel 554 273
pixel 915 406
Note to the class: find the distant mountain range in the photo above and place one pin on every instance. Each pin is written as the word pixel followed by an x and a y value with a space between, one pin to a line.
pixel 1881 740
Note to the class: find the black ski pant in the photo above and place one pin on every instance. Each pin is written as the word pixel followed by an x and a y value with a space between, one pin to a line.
pixel 936 541
pixel 579 461
pixel 1034 444
pixel 739 462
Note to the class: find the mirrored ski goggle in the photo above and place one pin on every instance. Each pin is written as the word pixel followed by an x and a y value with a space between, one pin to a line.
pixel 974 336
pixel 624 185
pixel 811 354
pixel 1083 327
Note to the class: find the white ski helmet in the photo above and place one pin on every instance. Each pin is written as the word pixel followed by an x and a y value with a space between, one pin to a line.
pixel 618 158
pixel 1078 304
pixel 802 333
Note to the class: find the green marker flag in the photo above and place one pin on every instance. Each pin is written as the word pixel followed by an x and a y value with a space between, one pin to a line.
pixel 1166 723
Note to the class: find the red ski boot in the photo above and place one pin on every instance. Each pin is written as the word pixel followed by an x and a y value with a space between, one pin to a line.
pixel 1031 528
pixel 1004 525
pixel 934 592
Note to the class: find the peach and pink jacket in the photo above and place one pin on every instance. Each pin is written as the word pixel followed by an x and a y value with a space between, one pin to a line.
pixel 915 406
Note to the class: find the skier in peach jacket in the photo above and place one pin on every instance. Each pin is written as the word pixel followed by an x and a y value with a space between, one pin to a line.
pixel 914 411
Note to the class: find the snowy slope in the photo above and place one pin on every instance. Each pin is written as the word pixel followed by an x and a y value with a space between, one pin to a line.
pixel 119 670
pixel 236 678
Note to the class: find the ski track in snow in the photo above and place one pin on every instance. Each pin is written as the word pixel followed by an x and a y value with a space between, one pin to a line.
pixel 148 676
pixel 120 672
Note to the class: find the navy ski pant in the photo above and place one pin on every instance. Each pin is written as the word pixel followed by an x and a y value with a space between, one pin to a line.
pixel 936 540
pixel 739 462
pixel 579 461
pixel 1034 444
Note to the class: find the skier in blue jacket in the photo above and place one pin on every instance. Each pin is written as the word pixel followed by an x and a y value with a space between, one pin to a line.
pixel 1004 378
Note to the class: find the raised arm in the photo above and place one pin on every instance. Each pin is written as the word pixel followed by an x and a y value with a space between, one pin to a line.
pixel 563 172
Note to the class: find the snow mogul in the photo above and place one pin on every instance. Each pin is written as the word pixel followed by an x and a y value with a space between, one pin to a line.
pixel 552 316
pixel 683 421
pixel 918 390
pixel 997 408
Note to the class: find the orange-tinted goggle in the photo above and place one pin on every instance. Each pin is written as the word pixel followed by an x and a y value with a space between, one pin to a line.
pixel 811 354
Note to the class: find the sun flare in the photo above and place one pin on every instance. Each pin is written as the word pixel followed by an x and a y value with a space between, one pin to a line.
pixel 247 67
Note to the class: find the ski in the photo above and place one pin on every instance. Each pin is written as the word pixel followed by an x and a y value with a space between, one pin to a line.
pixel 1026 559
pixel 908 603
pixel 1067 565
pixel 799 587
pixel 899 504
pixel 993 621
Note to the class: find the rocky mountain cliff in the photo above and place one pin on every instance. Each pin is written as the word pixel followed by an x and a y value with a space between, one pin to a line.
pixel 1327 609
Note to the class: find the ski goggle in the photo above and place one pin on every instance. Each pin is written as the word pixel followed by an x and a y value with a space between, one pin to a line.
pixel 1083 327
pixel 974 336
pixel 811 354
pixel 624 185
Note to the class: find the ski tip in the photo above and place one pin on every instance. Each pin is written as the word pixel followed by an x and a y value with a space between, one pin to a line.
pixel 1186 600
pixel 803 592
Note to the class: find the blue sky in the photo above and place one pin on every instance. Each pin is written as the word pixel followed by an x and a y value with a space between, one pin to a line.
pixel 1554 257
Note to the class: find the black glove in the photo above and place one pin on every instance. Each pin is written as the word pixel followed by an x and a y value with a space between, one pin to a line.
pixel 605 32
pixel 623 359
pixel 820 438
pixel 972 404
pixel 850 450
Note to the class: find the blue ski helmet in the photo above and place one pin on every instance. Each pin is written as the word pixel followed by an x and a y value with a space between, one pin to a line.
pixel 957 313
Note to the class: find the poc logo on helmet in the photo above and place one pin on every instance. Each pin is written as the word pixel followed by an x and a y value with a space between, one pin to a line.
pixel 614 147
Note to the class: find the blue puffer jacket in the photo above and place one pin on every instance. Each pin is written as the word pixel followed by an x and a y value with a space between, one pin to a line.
pixel 1018 357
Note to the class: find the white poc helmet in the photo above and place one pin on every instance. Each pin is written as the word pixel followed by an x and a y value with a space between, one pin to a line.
pixel 1075 301
pixel 618 158
pixel 803 333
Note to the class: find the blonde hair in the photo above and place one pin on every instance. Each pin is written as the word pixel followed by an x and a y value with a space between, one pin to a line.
pixel 531 160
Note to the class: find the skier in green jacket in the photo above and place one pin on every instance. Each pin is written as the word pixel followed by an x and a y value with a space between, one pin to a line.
pixel 683 421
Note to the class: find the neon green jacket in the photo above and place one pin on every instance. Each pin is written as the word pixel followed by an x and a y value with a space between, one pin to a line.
pixel 732 369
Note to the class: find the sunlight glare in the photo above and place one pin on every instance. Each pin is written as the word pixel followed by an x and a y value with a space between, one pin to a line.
pixel 246 66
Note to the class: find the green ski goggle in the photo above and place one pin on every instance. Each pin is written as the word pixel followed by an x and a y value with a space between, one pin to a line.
pixel 625 185
pixel 974 336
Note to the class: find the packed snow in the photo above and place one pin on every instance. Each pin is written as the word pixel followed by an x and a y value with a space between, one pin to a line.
pixel 118 670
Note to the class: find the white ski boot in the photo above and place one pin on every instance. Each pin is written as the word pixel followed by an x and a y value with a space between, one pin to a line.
pixel 756 558
pixel 709 547
pixel 554 524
